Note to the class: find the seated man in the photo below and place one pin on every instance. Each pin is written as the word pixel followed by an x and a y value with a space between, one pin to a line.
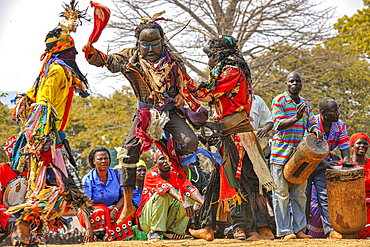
pixel 161 209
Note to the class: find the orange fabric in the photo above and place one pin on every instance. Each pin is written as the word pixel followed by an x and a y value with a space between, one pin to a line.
pixel 63 44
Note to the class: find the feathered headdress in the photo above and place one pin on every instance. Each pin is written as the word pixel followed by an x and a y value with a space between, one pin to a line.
pixel 71 14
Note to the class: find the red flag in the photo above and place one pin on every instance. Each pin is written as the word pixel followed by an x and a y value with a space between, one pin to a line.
pixel 101 17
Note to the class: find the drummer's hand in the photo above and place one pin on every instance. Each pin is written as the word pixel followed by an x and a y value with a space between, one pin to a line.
pixel 92 49
pixel 301 107
pixel 329 164
pixel 262 132
pixel 318 134
pixel 368 200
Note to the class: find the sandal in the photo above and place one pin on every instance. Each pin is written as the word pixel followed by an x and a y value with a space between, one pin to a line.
pixel 154 236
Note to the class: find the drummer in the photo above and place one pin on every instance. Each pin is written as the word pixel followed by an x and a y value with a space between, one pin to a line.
pixel 262 123
pixel 292 116
pixel 12 192
pixel 335 133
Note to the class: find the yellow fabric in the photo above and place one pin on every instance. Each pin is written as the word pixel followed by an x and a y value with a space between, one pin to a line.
pixel 54 90
pixel 141 163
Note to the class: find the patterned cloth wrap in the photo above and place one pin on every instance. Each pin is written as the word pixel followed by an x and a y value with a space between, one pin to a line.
pixel 43 113
pixel 101 222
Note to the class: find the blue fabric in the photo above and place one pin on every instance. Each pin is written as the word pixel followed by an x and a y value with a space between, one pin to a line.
pixel 288 221
pixel 319 180
pixel 16 154
pixel 99 192
pixel 136 196
pixel 192 158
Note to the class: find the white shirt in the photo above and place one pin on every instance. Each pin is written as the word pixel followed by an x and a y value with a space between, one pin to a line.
pixel 260 113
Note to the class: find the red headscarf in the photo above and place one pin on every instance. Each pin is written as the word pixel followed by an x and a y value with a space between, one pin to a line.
pixel 357 136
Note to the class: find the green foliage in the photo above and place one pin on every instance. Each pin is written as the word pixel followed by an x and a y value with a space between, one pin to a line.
pixel 354 30
pixel 7 128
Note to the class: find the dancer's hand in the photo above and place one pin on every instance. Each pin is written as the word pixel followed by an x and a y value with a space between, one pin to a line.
pixel 179 100
pixel 197 208
pixel 188 209
pixel 11 224
pixel 89 236
pixel 92 49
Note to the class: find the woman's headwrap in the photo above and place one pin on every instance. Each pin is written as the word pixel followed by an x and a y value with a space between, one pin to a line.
pixel 141 163
pixel 357 136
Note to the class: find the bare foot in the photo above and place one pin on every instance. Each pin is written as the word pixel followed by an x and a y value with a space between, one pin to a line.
pixel 259 236
pixel 206 233
pixel 127 211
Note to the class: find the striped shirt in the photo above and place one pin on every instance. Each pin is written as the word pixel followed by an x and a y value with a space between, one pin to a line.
pixel 338 136
pixel 284 141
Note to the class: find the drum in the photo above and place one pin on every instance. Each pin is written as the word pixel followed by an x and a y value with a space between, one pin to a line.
pixel 346 199
pixel 308 155
pixel 15 191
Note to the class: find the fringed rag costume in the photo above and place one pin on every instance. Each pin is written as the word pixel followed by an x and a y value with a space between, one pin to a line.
pixel 155 86
pixel 42 151
pixel 244 174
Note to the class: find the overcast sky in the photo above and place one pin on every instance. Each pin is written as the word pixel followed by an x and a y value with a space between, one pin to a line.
pixel 25 23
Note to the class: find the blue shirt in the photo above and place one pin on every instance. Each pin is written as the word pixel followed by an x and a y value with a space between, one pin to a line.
pixel 136 196
pixel 99 192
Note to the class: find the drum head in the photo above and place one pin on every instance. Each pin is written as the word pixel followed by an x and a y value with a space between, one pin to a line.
pixel 14 192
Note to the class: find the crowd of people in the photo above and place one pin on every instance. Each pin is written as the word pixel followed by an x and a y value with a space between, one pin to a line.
pixel 246 194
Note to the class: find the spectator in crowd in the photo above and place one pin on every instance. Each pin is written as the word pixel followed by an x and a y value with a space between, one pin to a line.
pixel 140 176
pixel 162 210
pixel 102 185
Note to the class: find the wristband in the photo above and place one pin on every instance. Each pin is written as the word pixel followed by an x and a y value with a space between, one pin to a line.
pixel 198 203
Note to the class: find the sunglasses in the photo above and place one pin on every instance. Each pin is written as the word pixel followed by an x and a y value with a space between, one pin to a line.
pixel 146 44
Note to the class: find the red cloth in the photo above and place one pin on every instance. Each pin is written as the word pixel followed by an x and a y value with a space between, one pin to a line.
pixel 140 129
pixel 101 17
pixel 242 97
pixel 100 220
pixel 155 183
pixel 365 233
pixel 170 152
pixel 226 192
pixel 357 136
pixel 6 175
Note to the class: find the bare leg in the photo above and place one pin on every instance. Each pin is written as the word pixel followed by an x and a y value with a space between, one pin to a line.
pixel 128 208
pixel 265 233
pixel 206 233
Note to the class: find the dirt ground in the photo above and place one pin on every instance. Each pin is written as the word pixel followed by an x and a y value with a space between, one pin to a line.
pixel 230 243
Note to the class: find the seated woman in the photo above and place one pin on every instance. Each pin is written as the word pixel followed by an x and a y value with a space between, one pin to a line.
pixel 360 145
pixel 140 176
pixel 102 186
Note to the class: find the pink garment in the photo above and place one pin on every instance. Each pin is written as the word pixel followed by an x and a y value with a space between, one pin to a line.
pixel 141 127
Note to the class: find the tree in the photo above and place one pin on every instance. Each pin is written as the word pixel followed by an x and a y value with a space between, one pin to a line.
pixel 257 25
pixel 7 128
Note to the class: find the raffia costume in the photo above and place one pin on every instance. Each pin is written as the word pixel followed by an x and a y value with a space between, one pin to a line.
pixel 42 151
pixel 155 86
